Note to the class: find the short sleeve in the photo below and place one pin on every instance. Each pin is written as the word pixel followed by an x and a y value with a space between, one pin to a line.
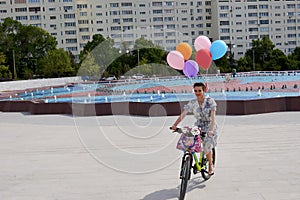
pixel 188 107
pixel 212 103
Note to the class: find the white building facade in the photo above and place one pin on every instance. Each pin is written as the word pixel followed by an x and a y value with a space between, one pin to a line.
pixel 165 22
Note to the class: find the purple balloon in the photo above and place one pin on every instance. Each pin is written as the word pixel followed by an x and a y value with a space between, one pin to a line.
pixel 190 68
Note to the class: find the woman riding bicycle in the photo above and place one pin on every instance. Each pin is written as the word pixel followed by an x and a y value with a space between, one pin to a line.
pixel 204 110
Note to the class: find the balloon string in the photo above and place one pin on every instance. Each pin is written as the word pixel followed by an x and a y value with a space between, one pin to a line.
pixel 205 80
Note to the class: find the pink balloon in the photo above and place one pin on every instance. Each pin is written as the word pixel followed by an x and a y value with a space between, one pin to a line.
pixel 190 68
pixel 204 58
pixel 175 59
pixel 202 42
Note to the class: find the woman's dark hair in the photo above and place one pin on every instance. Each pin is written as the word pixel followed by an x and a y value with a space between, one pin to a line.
pixel 200 84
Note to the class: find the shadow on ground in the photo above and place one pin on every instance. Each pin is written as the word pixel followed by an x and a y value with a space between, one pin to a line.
pixel 173 193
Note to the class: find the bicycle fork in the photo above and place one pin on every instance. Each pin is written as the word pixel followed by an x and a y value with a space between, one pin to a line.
pixel 198 162
pixel 182 164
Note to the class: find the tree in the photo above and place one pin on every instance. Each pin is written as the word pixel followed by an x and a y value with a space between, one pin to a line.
pixel 8 30
pixel 223 64
pixel 294 58
pixel 29 43
pixel 89 67
pixel 103 52
pixel 5 74
pixel 263 56
pixel 55 64
pixel 96 40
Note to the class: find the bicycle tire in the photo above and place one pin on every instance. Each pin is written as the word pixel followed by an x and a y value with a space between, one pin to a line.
pixel 205 165
pixel 186 172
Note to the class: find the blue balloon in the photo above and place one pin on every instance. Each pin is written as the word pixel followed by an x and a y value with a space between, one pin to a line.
pixel 218 49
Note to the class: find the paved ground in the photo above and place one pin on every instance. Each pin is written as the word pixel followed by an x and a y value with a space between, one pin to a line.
pixel 59 157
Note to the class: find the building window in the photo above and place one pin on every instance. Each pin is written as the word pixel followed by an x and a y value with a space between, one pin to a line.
pixel 80 6
pixel 85 37
pixel 83 21
pixel 70 24
pixel 69 16
pixel 83 29
pixel 157 11
pixel 35 17
pixel 126 12
pixel 158 4
pixel 73 40
pixel 157 19
pixel 18 1
pixel 71 48
pixel 114 5
pixel 126 4
pixel 19 18
pixel 71 32
pixel 66 8
pixel 21 9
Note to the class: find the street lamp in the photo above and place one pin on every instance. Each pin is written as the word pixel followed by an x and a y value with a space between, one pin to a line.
pixel 127 52
pixel 14 65
pixel 138 56
pixel 231 54
pixel 253 57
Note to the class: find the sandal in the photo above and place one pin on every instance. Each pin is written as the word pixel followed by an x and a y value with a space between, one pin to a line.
pixel 211 172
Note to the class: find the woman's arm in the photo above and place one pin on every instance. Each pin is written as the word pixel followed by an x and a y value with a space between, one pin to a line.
pixel 212 122
pixel 179 119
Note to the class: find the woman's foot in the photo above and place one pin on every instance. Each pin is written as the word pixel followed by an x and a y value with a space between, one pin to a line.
pixel 211 170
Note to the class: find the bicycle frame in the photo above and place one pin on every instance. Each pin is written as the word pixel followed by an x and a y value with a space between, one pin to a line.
pixel 198 161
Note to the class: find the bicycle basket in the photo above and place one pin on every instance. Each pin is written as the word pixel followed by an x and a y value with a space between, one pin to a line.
pixel 189 142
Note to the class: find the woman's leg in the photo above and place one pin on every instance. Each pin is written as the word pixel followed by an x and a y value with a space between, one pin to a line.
pixel 210 162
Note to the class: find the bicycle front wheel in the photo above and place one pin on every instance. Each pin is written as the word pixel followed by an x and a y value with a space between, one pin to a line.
pixel 185 176
pixel 205 165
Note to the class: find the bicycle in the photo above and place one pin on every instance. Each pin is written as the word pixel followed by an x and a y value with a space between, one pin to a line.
pixel 190 159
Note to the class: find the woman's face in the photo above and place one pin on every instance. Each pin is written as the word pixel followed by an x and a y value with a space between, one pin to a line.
pixel 199 91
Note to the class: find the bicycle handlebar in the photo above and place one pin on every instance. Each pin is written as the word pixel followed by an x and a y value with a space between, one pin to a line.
pixel 179 130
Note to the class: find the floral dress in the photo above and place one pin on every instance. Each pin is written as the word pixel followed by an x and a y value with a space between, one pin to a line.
pixel 203 120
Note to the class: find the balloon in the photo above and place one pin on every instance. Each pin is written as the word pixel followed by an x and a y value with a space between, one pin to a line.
pixel 203 58
pixel 175 59
pixel 185 49
pixel 190 68
pixel 202 42
pixel 218 49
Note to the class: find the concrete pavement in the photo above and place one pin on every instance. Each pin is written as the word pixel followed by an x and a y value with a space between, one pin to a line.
pixel 57 157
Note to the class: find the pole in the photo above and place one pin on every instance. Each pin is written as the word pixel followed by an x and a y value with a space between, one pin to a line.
pixel 14 65
pixel 253 59
pixel 230 55
pixel 138 51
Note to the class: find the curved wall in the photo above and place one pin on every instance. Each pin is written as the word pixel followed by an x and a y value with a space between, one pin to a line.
pixel 228 107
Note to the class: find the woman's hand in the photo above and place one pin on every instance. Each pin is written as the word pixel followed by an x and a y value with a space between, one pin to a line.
pixel 210 133
pixel 174 127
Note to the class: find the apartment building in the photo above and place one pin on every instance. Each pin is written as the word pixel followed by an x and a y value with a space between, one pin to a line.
pixel 165 22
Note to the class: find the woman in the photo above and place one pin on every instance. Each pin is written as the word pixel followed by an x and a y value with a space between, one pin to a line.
pixel 204 110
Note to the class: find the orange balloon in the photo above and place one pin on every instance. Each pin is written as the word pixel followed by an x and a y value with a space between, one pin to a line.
pixel 185 49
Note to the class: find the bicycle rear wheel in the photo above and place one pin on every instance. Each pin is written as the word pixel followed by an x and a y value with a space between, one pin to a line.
pixel 185 176
pixel 205 165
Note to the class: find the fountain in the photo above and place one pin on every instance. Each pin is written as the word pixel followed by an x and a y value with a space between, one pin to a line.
pixel 259 93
